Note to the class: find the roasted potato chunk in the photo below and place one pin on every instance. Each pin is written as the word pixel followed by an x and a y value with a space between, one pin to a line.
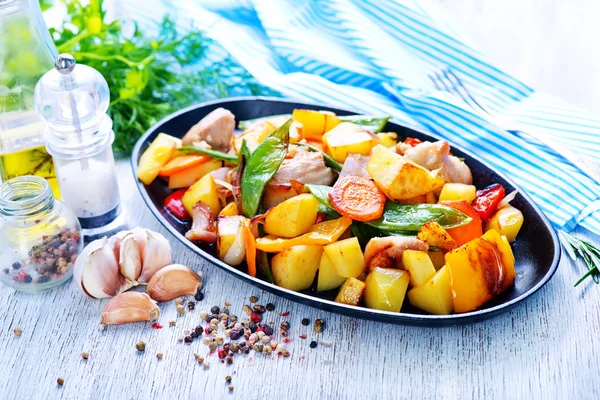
pixel 419 265
pixel 435 295
pixel 351 292
pixel 328 276
pixel 348 138
pixel 507 221
pixel 293 217
pixel 347 257
pixel 434 235
pixel 386 289
pixel 399 178
pixel 295 268
pixel 480 270
pixel 458 191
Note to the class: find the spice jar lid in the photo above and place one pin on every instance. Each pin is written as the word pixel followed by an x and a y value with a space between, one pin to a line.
pixel 73 99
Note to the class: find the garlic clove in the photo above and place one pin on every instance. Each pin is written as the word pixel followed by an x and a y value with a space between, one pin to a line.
pixel 130 307
pixel 97 270
pixel 173 281
pixel 130 259
pixel 156 255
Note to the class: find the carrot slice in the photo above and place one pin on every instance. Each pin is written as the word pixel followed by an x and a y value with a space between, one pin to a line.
pixel 181 163
pixel 468 232
pixel 250 242
pixel 358 198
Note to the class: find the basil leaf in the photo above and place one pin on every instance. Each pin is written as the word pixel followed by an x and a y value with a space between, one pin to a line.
pixel 370 123
pixel 399 217
pixel 261 166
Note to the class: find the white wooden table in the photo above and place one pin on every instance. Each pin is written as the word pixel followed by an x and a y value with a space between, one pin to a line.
pixel 548 347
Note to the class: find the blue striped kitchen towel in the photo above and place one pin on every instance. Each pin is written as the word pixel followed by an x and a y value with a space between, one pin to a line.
pixel 373 56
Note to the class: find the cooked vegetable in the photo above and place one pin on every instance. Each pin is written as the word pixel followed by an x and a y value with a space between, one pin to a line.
pixel 229 210
pixel 507 221
pixel 386 289
pixel 182 163
pixel 188 177
pixel 250 243
pixel 231 243
pixel 276 120
pixel 155 157
pixel 293 217
pixel 328 277
pixel 348 138
pixel 480 270
pixel 323 233
pixel 400 178
pixel 412 142
pixel 458 191
pixel 357 198
pixel 217 155
pixel 351 292
pixel 175 206
pixel 321 193
pixel 315 123
pixel 388 139
pixel 437 257
pixel 436 236
pixel 386 252
pixel 347 257
pixel 254 137
pixel 399 217
pixel 261 166
pixel 204 190
pixel 369 123
pixel 295 268
pixel 487 200
pixel 435 295
pixel 419 265
pixel 330 162
pixel 473 229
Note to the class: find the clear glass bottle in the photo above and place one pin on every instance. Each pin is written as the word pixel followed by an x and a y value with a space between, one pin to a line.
pixel 73 100
pixel 26 53
pixel 40 238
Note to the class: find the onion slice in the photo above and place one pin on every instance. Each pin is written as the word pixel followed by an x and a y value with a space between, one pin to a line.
pixel 507 199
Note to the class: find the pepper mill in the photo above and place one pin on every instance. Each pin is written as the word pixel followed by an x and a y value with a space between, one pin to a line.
pixel 73 100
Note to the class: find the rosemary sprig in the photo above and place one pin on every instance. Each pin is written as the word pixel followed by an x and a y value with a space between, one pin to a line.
pixel 590 254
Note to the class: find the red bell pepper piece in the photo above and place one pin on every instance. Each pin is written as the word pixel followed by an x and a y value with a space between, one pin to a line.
pixel 412 142
pixel 175 206
pixel 486 202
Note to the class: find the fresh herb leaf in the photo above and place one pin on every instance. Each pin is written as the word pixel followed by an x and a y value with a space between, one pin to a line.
pixel 590 254
pixel 218 155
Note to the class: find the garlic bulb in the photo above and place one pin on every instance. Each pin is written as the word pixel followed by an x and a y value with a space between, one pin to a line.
pixel 173 281
pixel 96 271
pixel 107 267
pixel 130 307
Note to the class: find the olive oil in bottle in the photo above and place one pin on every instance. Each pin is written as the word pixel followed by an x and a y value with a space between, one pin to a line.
pixel 26 53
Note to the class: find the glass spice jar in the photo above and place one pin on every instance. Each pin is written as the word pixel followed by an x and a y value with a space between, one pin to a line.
pixel 40 238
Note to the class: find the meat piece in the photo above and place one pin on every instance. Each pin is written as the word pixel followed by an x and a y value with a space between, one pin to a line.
pixel 386 252
pixel 434 156
pixel 355 165
pixel 203 227
pixel 302 166
pixel 216 129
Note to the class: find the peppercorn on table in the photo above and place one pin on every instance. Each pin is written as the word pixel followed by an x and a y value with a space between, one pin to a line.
pixel 52 345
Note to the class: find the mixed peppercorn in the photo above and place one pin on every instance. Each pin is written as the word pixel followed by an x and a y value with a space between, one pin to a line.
pixel 49 260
